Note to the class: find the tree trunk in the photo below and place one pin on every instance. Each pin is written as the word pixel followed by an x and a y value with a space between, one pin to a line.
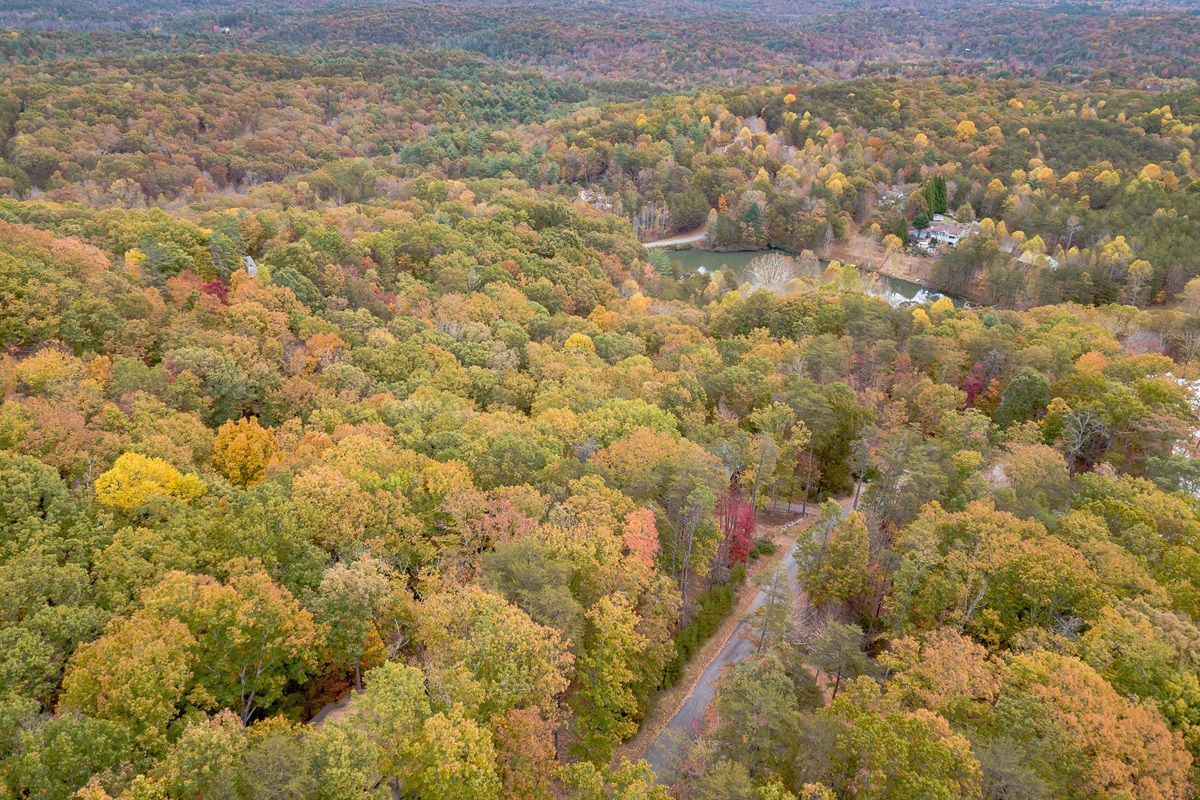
pixel 686 564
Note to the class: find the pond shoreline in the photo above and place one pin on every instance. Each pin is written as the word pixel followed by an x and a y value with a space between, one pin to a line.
pixel 896 289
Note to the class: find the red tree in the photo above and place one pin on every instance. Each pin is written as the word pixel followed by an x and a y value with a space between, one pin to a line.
pixel 737 526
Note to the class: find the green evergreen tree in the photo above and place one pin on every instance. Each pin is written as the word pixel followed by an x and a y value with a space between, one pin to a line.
pixel 936 195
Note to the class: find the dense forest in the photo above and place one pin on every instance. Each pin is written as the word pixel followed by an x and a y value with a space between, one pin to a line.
pixel 353 444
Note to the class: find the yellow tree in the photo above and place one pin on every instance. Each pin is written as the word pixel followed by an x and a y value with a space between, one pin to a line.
pixel 580 341
pixel 242 451
pixel 891 246
pixel 134 479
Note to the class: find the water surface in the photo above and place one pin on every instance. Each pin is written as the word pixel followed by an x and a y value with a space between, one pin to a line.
pixel 895 291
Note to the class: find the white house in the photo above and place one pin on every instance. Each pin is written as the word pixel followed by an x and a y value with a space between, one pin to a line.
pixel 1032 259
pixel 946 231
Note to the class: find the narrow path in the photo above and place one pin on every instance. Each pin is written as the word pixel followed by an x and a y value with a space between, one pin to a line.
pixel 663 750
pixel 333 711
pixel 684 238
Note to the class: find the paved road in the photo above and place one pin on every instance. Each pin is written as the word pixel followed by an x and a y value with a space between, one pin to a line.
pixel 684 239
pixel 663 752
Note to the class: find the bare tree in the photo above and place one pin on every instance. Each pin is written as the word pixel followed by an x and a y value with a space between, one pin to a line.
pixel 808 265
pixel 1074 226
pixel 1085 434
pixel 773 272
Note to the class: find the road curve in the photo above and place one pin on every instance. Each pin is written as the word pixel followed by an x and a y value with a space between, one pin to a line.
pixel 663 752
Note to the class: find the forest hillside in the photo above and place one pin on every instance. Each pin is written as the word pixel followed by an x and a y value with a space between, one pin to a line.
pixel 354 443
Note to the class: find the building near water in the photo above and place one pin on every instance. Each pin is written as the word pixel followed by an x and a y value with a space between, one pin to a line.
pixel 946 231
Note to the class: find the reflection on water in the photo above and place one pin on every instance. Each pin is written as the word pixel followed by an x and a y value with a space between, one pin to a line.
pixel 895 291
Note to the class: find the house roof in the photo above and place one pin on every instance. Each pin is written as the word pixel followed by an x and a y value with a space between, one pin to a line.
pixel 1030 258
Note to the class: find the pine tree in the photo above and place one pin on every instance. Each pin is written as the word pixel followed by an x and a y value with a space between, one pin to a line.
pixel 936 195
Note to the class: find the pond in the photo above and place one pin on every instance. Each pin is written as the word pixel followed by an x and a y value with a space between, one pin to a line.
pixel 895 291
